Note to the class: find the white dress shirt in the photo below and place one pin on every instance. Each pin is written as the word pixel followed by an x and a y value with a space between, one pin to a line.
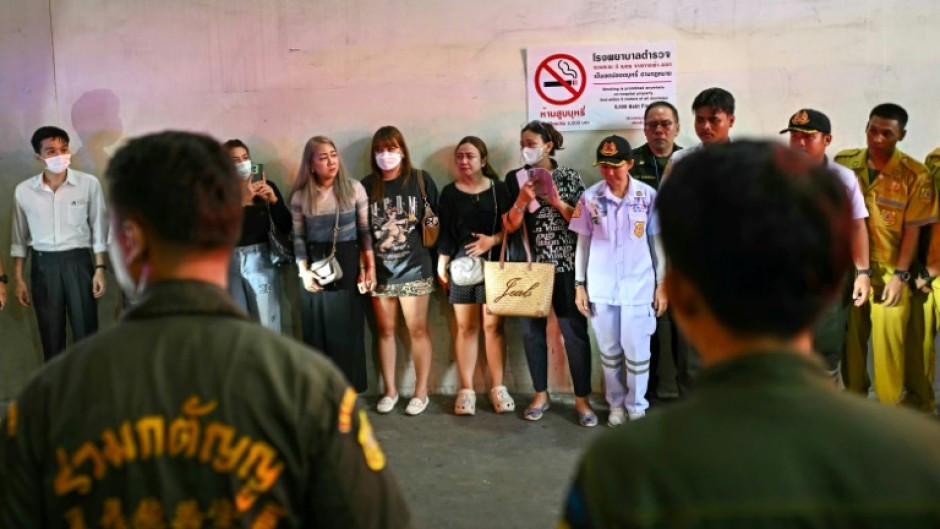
pixel 74 216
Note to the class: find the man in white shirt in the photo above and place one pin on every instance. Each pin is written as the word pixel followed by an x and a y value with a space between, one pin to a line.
pixel 59 217
pixel 811 132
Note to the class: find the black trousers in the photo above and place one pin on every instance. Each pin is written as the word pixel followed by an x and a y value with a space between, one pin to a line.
pixel 333 323
pixel 62 285
pixel 677 363
pixel 574 330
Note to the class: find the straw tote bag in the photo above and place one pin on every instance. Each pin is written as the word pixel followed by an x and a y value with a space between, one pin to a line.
pixel 519 289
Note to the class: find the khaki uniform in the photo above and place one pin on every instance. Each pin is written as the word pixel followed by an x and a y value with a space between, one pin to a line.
pixel 920 359
pixel 185 414
pixel 900 196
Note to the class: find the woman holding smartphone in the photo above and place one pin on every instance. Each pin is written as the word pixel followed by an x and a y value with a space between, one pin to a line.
pixel 404 273
pixel 470 212
pixel 263 205
pixel 329 211
pixel 546 213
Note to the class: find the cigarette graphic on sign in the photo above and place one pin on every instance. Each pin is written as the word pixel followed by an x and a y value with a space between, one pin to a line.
pixel 571 76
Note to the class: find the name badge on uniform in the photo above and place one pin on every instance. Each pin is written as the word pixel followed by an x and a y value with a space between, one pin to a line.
pixel 889 217
pixel 639 228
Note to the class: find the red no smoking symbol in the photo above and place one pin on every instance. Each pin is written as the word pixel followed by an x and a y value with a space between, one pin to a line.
pixel 560 79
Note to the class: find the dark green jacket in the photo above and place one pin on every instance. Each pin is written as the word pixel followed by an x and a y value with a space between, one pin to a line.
pixel 763 441
pixel 187 415
pixel 645 168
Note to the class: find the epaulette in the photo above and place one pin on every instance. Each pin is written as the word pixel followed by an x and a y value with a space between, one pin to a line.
pixel 851 158
pixel 933 160
pixel 912 165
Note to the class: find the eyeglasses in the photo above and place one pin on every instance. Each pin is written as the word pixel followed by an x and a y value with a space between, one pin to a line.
pixel 653 125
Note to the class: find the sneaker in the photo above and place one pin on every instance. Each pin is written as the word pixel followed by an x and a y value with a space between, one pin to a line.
pixel 636 415
pixel 465 403
pixel 416 406
pixel 387 404
pixel 502 401
pixel 616 417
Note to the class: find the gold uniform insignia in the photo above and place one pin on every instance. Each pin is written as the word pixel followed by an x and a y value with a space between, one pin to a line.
pixel 346 408
pixel 375 458
pixel 638 228
pixel 609 148
pixel 800 118
pixel 11 419
pixel 889 217
pixel 926 194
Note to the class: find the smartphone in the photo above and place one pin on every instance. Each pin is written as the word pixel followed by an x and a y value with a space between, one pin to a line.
pixel 257 172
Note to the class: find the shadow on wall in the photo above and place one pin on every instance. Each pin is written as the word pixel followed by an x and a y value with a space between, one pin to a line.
pixel 96 118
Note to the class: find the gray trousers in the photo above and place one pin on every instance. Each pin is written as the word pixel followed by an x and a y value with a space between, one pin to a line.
pixel 255 267
pixel 61 285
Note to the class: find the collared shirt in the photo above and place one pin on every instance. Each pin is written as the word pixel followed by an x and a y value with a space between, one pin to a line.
pixel 901 196
pixel 856 199
pixel 620 265
pixel 73 216
pixel 764 440
pixel 185 414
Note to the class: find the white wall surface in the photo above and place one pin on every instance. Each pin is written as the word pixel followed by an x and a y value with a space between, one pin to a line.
pixel 276 72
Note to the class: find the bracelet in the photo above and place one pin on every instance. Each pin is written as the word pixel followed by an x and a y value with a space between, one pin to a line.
pixel 863 272
pixel 517 208
pixel 103 267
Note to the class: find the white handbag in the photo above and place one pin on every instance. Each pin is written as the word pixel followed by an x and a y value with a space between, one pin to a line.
pixel 328 270
pixel 467 271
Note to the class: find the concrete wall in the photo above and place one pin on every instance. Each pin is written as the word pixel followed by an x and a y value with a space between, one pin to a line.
pixel 276 72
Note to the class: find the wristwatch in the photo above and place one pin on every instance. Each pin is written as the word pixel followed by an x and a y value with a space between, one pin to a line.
pixel 863 272
pixel 903 274
pixel 4 279
pixel 925 276
pixel 580 283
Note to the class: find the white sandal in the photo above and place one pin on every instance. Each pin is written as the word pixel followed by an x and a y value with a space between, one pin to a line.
pixel 466 402
pixel 502 401
pixel 387 404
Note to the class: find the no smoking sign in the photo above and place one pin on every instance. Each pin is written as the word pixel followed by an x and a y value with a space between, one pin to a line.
pixel 560 79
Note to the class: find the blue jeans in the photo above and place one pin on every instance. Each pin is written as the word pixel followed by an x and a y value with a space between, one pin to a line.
pixel 255 266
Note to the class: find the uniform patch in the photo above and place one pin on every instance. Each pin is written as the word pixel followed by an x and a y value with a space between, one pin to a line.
pixel 346 408
pixel 577 211
pixel 889 217
pixel 800 118
pixel 609 148
pixel 639 228
pixel 926 194
pixel 375 458
pixel 12 416
pixel 896 187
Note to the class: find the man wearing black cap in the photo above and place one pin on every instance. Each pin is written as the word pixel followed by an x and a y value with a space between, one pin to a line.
pixel 811 132
pixel 616 284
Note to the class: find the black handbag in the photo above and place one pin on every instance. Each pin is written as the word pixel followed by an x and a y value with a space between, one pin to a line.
pixel 280 248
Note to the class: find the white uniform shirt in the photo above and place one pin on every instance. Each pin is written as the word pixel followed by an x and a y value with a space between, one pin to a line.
pixel 856 199
pixel 620 265
pixel 72 217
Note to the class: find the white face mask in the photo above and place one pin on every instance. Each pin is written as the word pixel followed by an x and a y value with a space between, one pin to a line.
pixel 58 164
pixel 132 289
pixel 388 160
pixel 243 169
pixel 532 155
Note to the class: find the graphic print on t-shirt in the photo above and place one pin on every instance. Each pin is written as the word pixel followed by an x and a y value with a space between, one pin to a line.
pixel 391 224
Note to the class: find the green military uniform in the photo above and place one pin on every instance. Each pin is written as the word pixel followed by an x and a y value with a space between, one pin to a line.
pixel 185 414
pixel 900 196
pixel 765 440
pixel 920 353
pixel 647 168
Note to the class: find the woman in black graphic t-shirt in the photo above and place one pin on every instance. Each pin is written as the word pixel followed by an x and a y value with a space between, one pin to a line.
pixel 404 276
